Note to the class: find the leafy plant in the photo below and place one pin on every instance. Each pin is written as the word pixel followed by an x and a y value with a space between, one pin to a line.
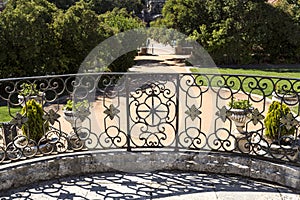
pixel 70 106
pixel 29 89
pixel 240 104
pixel 222 26
pixel 273 126
pixel 66 36
pixel 36 126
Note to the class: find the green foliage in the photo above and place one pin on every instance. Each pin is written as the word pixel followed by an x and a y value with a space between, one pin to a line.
pixel 70 106
pixel 119 21
pixel 63 4
pixel 37 38
pixel 273 127
pixel 29 89
pixel 184 15
pixel 26 38
pixel 239 104
pixel 77 32
pixel 102 6
pixel 234 31
pixel 36 126
pixel 292 7
pixel 167 36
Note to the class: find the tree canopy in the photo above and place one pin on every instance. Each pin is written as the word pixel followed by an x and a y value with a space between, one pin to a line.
pixel 102 6
pixel 26 37
pixel 37 38
pixel 235 31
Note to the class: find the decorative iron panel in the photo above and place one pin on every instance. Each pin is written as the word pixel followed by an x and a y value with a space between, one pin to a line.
pixel 152 108
pixel 134 111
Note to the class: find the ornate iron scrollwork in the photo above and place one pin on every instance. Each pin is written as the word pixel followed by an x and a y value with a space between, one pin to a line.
pixel 175 111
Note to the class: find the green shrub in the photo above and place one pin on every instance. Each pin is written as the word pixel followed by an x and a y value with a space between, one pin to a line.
pixel 35 127
pixel 239 104
pixel 273 126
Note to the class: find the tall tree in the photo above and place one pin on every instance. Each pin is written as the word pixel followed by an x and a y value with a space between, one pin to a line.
pixel 291 7
pixel 120 20
pixel 235 31
pixel 78 33
pixel 63 4
pixel 102 6
pixel 27 40
pixel 36 38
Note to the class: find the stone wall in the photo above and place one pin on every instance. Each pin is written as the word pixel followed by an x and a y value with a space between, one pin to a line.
pixel 13 175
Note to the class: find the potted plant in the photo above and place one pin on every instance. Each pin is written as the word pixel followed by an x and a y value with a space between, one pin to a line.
pixel 280 127
pixel 239 111
pixel 281 94
pixel 34 129
pixel 76 113
pixel 279 122
pixel 29 91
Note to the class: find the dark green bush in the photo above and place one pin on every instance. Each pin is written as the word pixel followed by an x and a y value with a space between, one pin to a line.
pixel 61 39
pixel 273 127
pixel 36 126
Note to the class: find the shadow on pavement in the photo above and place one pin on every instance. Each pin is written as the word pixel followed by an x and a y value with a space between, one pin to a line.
pixel 150 185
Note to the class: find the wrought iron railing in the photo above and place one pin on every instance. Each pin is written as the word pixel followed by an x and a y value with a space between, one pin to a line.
pixel 141 111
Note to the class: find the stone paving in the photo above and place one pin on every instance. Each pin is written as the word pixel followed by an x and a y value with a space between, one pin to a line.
pixel 153 185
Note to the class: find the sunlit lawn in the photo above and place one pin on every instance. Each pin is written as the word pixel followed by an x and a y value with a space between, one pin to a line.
pixel 4 113
pixel 267 91
pixel 266 85
pixel 267 73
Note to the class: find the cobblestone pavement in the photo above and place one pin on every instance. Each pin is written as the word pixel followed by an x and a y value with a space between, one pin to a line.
pixel 152 185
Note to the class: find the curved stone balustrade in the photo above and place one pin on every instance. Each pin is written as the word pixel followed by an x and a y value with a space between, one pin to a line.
pixel 57 166
pixel 136 112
